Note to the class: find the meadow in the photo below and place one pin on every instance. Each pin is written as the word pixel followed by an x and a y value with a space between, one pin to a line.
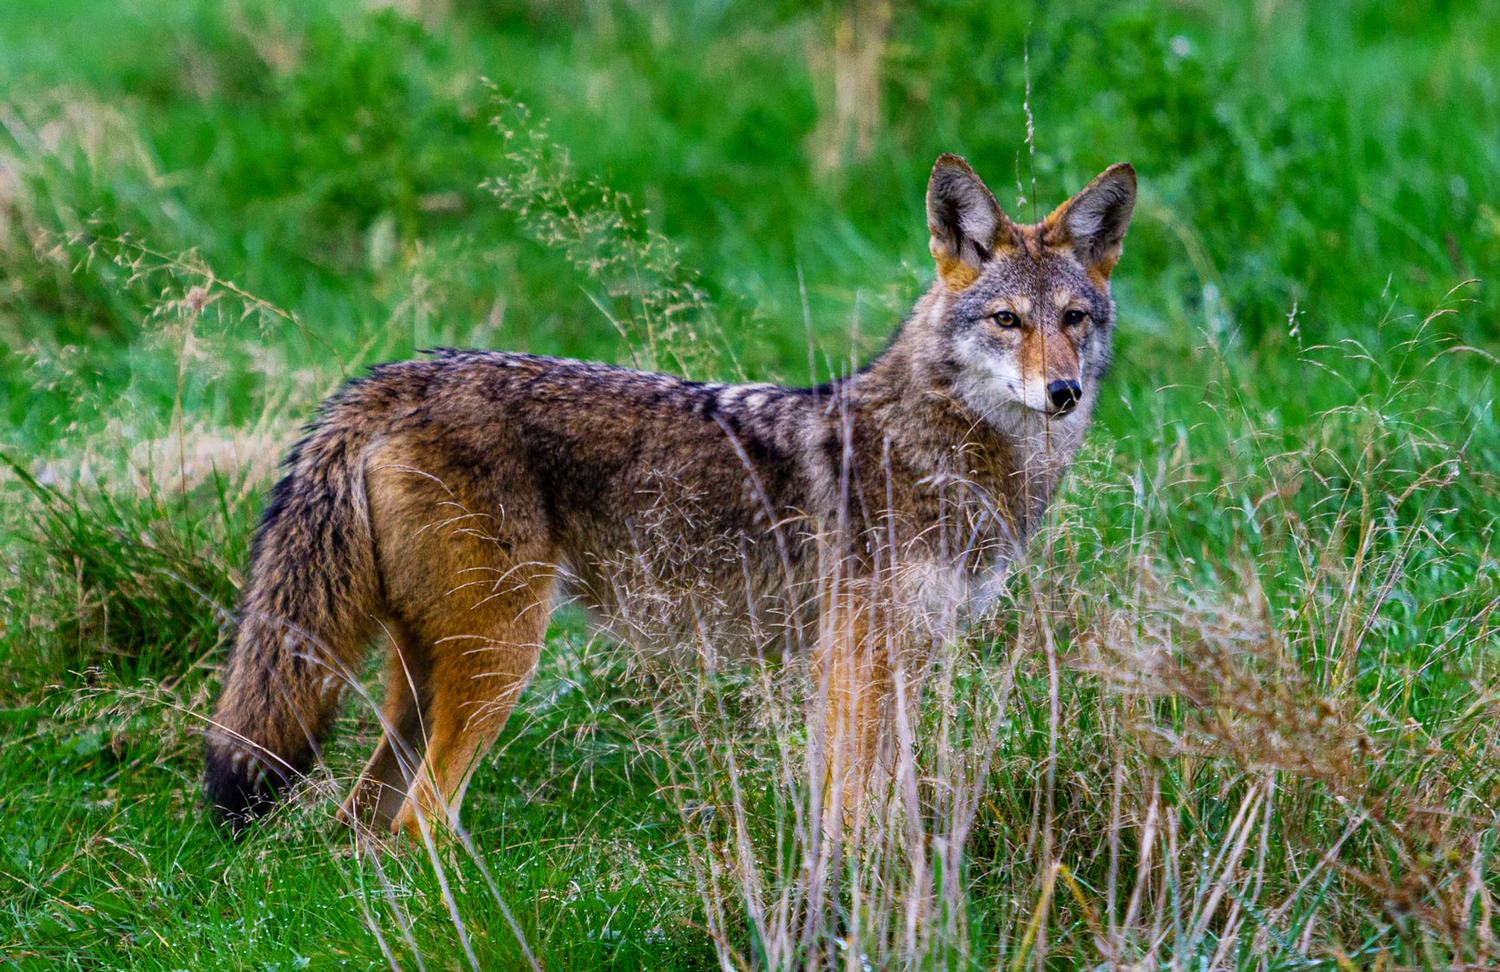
pixel 1236 710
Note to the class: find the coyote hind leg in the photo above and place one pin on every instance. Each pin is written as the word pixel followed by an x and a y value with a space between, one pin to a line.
pixel 468 568
pixel 482 660
pixel 386 778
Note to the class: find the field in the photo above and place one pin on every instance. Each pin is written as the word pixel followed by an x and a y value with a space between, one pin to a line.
pixel 1236 710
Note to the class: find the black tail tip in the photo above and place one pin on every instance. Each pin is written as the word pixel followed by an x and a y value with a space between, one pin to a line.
pixel 238 787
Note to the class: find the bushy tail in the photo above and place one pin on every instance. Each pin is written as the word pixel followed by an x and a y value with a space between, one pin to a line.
pixel 305 618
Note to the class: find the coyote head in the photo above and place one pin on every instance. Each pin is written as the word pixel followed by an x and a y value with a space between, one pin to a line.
pixel 1021 314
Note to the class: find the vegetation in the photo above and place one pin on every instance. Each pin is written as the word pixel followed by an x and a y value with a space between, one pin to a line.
pixel 1237 709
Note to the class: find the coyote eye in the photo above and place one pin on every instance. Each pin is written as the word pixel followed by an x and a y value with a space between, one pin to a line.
pixel 1006 319
pixel 1075 317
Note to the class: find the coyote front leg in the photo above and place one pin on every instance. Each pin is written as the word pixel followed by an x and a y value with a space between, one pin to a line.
pixel 850 709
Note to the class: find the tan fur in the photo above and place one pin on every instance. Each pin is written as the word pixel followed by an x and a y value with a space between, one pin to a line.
pixel 444 506
pixel 956 274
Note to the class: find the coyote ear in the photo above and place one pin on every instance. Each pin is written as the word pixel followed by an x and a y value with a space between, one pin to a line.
pixel 963 218
pixel 1094 221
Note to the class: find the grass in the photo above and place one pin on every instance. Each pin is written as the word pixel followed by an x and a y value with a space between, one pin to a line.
pixel 1236 710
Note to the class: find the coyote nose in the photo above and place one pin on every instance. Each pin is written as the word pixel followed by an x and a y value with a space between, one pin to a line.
pixel 1064 395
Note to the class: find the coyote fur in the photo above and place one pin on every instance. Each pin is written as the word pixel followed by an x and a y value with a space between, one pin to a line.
pixel 444 506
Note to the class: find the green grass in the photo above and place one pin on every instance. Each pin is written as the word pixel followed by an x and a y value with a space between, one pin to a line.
pixel 1274 571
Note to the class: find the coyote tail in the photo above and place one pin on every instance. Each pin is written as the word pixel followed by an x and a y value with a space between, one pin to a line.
pixel 305 617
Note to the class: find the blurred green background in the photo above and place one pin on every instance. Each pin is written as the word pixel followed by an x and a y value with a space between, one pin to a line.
pixel 1331 166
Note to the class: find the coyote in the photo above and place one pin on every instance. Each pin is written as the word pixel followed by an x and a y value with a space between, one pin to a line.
pixel 447 504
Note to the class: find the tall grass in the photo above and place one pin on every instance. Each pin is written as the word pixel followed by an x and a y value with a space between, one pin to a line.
pixel 1135 765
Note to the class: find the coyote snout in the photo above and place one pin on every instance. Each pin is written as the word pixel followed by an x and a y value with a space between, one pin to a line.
pixel 1064 394
pixel 1051 369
